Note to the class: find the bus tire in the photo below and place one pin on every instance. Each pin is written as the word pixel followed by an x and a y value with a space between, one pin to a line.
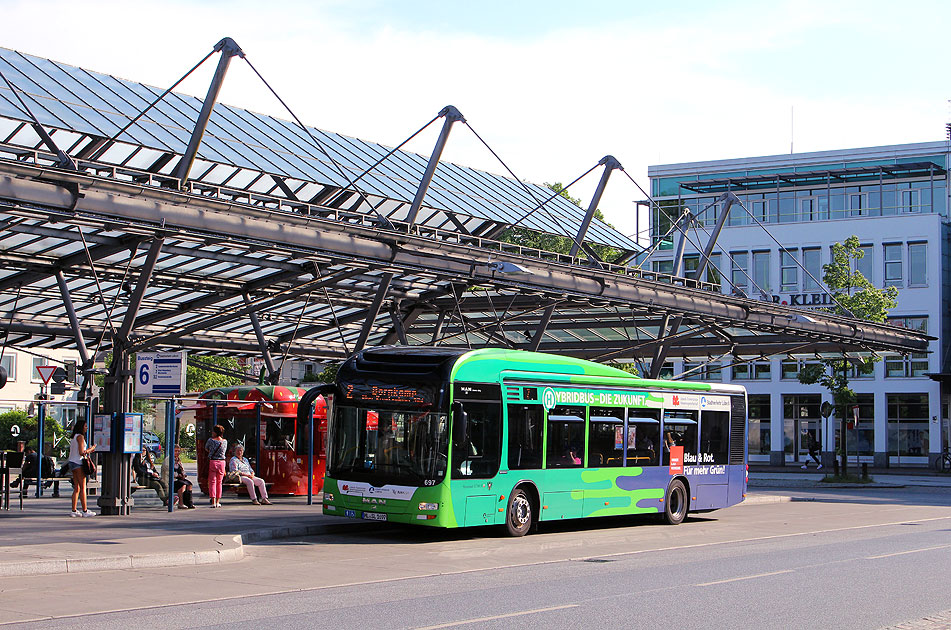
pixel 520 513
pixel 675 505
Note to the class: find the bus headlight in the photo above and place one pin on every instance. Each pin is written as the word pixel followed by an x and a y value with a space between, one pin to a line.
pixel 428 506
pixel 328 497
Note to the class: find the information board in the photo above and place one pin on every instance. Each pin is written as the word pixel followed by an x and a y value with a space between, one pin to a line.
pixel 131 427
pixel 102 432
pixel 160 374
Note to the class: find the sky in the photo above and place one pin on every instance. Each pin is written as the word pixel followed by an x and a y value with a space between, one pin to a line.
pixel 551 86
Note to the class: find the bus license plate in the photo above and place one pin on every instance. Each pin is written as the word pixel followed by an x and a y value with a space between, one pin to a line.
pixel 374 516
pixel 350 513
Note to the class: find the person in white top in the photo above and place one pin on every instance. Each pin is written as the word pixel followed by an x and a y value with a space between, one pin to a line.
pixel 78 450
pixel 240 465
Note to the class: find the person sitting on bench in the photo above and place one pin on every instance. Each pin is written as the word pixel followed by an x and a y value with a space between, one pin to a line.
pixel 240 465
pixel 146 475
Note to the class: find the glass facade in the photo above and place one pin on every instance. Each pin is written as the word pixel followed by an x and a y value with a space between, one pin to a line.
pixel 907 425
pixel 759 424
pixel 800 413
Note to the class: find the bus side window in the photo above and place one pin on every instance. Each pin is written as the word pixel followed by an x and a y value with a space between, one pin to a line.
pixel 565 437
pixel 680 429
pixel 525 436
pixel 714 441
pixel 643 440
pixel 606 437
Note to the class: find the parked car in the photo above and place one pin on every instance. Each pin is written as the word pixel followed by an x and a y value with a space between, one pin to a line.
pixel 151 442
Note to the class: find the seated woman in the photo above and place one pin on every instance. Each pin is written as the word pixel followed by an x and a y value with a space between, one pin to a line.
pixel 240 465
pixel 183 486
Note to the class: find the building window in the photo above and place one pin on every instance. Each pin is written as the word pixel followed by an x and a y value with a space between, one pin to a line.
pixel 906 365
pixel 758 208
pixel 858 204
pixel 667 371
pixel 739 275
pixel 789 271
pixel 917 264
pixel 789 369
pixel 911 201
pixel 752 371
pixel 663 266
pixel 35 374
pixel 914 322
pixel 761 271
pixel 892 264
pixel 812 261
pixel 702 372
pixel 865 264
pixel 9 362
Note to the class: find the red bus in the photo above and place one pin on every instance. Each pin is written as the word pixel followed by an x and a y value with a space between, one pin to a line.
pixel 264 419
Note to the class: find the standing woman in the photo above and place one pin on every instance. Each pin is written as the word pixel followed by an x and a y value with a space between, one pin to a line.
pixel 78 450
pixel 216 448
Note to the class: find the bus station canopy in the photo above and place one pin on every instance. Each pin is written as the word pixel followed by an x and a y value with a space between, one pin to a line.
pixel 265 249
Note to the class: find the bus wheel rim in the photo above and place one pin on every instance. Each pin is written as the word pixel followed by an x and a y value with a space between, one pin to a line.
pixel 521 510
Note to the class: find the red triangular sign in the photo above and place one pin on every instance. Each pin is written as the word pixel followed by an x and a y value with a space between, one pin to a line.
pixel 46 372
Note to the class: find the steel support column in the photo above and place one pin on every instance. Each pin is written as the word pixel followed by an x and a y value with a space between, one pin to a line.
pixel 451 115
pixel 610 163
pixel 373 311
pixel 542 327
pixel 228 49
pixel 268 361
pixel 73 320
pixel 135 302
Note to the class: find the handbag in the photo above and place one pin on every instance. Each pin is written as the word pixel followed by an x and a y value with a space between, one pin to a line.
pixel 89 466
pixel 232 477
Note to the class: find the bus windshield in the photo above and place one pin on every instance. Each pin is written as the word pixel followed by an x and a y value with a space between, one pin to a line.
pixel 389 446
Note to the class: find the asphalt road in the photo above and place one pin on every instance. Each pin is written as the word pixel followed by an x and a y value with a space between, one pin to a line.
pixel 852 559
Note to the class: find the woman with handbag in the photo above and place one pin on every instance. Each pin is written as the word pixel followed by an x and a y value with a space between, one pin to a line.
pixel 80 465
pixel 216 447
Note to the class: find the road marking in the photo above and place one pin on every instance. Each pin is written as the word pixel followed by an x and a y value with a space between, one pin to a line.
pixel 494 617
pixel 903 553
pixel 745 577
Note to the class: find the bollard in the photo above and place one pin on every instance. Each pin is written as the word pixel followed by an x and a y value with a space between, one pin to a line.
pixel 835 467
pixel 865 470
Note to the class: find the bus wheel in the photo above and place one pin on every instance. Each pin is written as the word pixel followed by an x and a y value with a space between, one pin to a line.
pixel 675 507
pixel 519 518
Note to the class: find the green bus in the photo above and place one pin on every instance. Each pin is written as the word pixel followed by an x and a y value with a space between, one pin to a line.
pixel 451 437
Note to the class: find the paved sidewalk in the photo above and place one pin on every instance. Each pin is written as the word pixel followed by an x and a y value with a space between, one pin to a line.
pixel 794 477
pixel 43 539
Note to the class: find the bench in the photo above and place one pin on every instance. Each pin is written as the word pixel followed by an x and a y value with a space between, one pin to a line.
pixel 91 484
pixel 240 488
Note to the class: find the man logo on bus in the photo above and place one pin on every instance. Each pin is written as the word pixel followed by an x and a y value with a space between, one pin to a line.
pixel 548 398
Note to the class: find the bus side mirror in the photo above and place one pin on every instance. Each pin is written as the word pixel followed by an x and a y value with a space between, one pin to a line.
pixel 460 422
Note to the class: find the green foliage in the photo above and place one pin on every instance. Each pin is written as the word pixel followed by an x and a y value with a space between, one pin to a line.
pixel 856 294
pixel 859 298
pixel 199 380
pixel 630 368
pixel 52 430
pixel 187 442
pixel 551 242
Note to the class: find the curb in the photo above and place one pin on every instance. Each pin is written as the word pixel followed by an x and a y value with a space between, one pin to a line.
pixel 231 550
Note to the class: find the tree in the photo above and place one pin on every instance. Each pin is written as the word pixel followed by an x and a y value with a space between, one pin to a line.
pixel 551 242
pixel 198 379
pixel 853 295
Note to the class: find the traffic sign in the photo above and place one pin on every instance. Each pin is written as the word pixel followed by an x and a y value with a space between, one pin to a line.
pixel 57 388
pixel 46 372
pixel 59 375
